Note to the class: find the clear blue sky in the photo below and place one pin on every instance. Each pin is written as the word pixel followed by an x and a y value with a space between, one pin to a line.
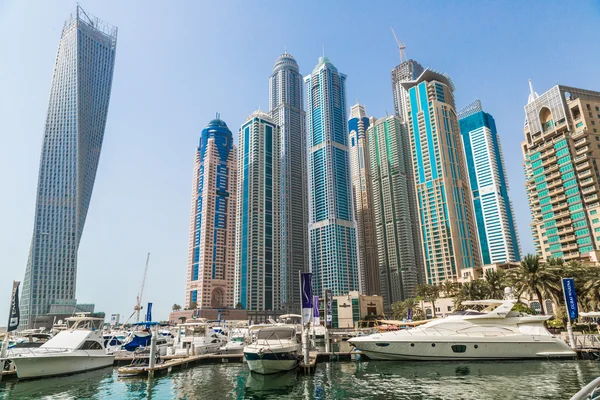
pixel 178 62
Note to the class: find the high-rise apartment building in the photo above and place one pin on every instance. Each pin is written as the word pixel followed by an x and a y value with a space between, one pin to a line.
pixel 393 217
pixel 362 196
pixel 448 229
pixel 211 254
pixel 404 72
pixel 331 230
pixel 257 265
pixel 562 159
pixel 496 226
pixel 73 135
pixel 287 111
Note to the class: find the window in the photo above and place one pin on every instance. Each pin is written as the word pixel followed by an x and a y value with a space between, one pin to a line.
pixel 459 348
pixel 91 345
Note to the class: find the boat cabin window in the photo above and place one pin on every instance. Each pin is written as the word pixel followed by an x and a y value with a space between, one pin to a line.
pixel 459 348
pixel 274 334
pixel 91 345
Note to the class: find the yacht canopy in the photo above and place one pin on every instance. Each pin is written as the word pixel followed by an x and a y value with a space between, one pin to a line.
pixel 67 340
pixel 403 323
pixel 590 314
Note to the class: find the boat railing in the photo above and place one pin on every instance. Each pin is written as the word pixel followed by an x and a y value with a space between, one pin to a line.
pixel 587 341
pixel 36 351
pixel 589 392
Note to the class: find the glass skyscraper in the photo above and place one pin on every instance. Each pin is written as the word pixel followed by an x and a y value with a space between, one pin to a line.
pixel 257 265
pixel 493 210
pixel 73 134
pixel 331 227
pixel 362 196
pixel 448 230
pixel 393 217
pixel 287 111
pixel 211 257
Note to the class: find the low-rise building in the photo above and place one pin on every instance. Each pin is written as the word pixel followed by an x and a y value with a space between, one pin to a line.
pixel 353 307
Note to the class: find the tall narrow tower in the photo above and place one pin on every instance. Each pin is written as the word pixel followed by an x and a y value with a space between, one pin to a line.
pixel 447 220
pixel 362 195
pixel 211 257
pixel 498 235
pixel 331 227
pixel 73 135
pixel 287 111
pixel 257 271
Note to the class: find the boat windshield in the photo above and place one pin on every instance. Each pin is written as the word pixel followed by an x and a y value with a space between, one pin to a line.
pixel 274 334
pixel 237 339
pixel 467 312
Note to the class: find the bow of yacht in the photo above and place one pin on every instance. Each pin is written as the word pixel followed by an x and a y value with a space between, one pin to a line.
pixel 497 333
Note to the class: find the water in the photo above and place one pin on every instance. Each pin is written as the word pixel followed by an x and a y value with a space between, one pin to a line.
pixel 340 380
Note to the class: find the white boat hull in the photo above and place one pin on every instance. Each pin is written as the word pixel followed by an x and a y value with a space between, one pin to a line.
pixel 29 367
pixel 478 349
pixel 271 366
pixel 270 361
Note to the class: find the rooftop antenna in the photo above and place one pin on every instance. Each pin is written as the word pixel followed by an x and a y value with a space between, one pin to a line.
pixel 218 115
pixel 285 49
pixel 401 46
pixel 531 88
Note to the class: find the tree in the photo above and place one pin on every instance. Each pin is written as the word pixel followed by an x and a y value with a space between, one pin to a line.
pixel 429 293
pixel 239 306
pixel 473 290
pixel 534 277
pixel 400 309
pixel 176 307
pixel 449 288
pixel 496 282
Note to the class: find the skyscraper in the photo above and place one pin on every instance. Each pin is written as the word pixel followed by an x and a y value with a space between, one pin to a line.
pixel 562 157
pixel 211 255
pixel 393 217
pixel 448 229
pixel 498 235
pixel 257 265
pixel 362 195
pixel 331 228
pixel 73 134
pixel 408 71
pixel 287 111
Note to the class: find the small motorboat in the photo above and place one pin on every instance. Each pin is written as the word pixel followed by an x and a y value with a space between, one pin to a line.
pixel 196 338
pixel 274 349
pixel 140 363
pixel 237 341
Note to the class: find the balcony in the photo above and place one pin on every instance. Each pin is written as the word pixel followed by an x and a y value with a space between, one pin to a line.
pixel 588 189
pixel 569 247
pixel 563 222
pixel 561 206
pixel 584 174
pixel 554 200
pixel 581 166
pixel 548 161
pixel 565 230
pixel 581 141
pixel 580 158
pixel 582 150
pixel 586 182
pixel 591 198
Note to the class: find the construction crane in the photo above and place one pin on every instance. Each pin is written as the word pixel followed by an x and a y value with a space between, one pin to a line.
pixel 138 305
pixel 401 46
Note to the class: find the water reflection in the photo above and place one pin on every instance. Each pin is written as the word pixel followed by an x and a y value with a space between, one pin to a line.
pixel 340 380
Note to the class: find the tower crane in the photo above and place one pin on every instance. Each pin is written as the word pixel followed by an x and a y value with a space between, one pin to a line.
pixel 138 305
pixel 400 44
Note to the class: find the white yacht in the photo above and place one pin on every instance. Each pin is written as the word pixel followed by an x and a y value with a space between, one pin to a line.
pixel 196 338
pixel 237 338
pixel 497 333
pixel 274 349
pixel 78 348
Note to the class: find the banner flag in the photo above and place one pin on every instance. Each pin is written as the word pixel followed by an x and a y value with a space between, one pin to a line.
pixel 570 297
pixel 409 314
pixel 149 313
pixel 15 316
pixel 316 313
pixel 328 308
pixel 307 299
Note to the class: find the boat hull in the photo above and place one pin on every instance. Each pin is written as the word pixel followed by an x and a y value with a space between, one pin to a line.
pixel 271 362
pixel 43 366
pixel 479 349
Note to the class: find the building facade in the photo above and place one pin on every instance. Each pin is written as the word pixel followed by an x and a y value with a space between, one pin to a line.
pixel 448 229
pixel 257 265
pixel 73 135
pixel 405 72
pixel 494 215
pixel 287 110
pixel 211 254
pixel 362 196
pixel 562 159
pixel 393 217
pixel 331 228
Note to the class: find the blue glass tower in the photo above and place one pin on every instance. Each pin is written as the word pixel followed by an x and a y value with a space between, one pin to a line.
pixel 331 228
pixel 493 210
pixel 211 260
pixel 73 135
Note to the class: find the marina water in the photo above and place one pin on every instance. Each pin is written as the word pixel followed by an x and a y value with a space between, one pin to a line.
pixel 332 380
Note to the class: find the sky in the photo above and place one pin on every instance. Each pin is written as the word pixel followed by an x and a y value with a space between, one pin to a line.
pixel 180 62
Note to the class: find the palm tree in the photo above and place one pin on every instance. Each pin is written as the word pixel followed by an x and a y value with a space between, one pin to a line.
pixel 429 293
pixel 474 290
pixel 400 309
pixel 176 307
pixel 591 291
pixel 449 288
pixel 496 282
pixel 534 277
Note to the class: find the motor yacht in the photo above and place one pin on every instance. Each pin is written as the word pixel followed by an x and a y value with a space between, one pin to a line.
pixel 139 337
pixel 237 339
pixel 78 348
pixel 274 349
pixel 497 333
pixel 195 338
